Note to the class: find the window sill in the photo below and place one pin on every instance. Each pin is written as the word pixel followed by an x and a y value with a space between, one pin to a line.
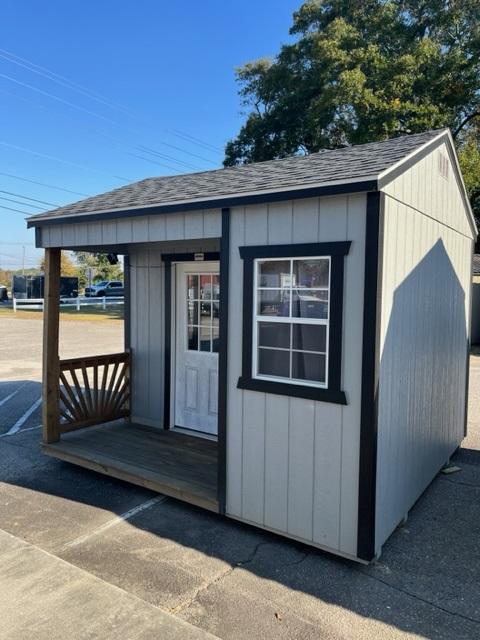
pixel 293 390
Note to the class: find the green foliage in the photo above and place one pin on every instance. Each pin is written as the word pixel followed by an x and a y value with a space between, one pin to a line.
pixel 102 269
pixel 469 156
pixel 362 71
pixel 67 266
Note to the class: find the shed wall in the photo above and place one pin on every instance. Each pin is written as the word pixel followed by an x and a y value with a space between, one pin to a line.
pixel 147 326
pixel 153 228
pixel 292 464
pixel 424 328
pixel 424 189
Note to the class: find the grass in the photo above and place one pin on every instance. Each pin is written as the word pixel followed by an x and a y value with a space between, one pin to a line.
pixel 115 312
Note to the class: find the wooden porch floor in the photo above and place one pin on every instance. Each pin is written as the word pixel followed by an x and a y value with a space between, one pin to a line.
pixel 177 465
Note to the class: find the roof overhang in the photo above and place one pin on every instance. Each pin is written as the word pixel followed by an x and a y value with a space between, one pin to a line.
pixel 362 184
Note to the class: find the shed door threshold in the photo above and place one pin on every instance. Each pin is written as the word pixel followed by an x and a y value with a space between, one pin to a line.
pixel 174 464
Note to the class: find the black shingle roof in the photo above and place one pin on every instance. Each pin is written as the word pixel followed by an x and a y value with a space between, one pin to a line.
pixel 341 165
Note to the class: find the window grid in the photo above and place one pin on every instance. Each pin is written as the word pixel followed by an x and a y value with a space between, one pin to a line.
pixel 290 320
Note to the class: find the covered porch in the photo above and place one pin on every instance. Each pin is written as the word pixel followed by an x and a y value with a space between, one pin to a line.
pixel 172 463
pixel 89 418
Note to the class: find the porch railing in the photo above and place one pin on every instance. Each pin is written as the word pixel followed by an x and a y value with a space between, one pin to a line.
pixel 93 390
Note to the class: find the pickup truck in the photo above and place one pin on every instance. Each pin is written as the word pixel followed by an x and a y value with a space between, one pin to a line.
pixel 105 288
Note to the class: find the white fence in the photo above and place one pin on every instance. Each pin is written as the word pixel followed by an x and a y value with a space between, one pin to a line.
pixel 77 303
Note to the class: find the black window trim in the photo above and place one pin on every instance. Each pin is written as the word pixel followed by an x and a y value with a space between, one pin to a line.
pixel 337 252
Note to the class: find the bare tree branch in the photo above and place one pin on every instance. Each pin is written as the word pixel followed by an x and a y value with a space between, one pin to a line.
pixel 474 114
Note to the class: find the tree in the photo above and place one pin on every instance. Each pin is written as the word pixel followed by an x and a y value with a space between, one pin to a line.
pixel 365 71
pixel 67 266
pixel 469 156
pixel 102 269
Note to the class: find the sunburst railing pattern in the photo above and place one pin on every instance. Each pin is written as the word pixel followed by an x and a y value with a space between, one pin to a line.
pixel 93 390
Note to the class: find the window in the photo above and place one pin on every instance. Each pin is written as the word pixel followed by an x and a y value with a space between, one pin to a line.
pixel 291 318
pixel 203 305
pixel 292 324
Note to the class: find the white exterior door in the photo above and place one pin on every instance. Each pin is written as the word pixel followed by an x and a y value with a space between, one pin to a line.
pixel 196 346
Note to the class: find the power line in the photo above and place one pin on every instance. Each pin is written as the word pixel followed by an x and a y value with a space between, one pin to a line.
pixel 44 184
pixel 19 195
pixel 65 82
pixel 25 204
pixel 61 80
pixel 114 139
pixel 27 213
pixel 161 164
pixel 62 160
pixel 57 98
pixel 189 138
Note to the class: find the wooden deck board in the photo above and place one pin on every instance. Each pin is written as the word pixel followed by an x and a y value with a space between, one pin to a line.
pixel 177 465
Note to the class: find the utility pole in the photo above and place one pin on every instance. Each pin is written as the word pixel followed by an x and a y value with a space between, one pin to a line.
pixel 23 260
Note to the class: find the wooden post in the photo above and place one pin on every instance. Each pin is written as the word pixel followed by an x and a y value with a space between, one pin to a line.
pixel 51 360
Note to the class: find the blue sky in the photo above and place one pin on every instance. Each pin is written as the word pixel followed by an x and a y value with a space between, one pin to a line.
pixel 149 73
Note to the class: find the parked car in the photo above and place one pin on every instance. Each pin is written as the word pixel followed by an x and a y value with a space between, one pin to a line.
pixel 105 288
pixel 3 293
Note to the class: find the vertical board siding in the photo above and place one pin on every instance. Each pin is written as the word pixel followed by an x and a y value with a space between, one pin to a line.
pixel 423 188
pixel 277 412
pixel 301 466
pixel 141 229
pixel 292 464
pixel 351 373
pixel 423 337
pixel 253 472
pixel 235 396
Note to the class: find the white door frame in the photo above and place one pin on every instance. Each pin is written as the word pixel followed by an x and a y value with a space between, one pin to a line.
pixel 196 267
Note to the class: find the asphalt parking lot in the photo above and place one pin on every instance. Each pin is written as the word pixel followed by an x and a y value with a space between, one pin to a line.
pixel 85 556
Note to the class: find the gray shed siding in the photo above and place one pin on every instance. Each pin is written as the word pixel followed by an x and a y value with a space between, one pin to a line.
pixel 424 328
pixel 126 231
pixel 292 464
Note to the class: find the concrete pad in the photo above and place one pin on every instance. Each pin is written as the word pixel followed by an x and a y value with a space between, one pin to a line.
pixel 51 502
pixel 45 598
pixel 167 553
pixel 316 597
pixel 21 343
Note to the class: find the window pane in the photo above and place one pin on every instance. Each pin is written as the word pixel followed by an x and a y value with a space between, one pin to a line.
pixel 206 287
pixel 205 334
pixel 273 303
pixel 311 273
pixel 192 333
pixel 274 273
pixel 216 287
pixel 308 303
pixel 310 337
pixel 215 337
pixel 192 312
pixel 192 287
pixel 273 363
pixel 308 366
pixel 274 334
pixel 205 307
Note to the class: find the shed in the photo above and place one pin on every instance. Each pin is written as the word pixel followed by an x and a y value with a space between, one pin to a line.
pixel 296 338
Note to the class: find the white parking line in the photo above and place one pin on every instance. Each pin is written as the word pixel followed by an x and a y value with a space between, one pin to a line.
pixel 11 395
pixel 4 435
pixel 17 426
pixel 114 521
